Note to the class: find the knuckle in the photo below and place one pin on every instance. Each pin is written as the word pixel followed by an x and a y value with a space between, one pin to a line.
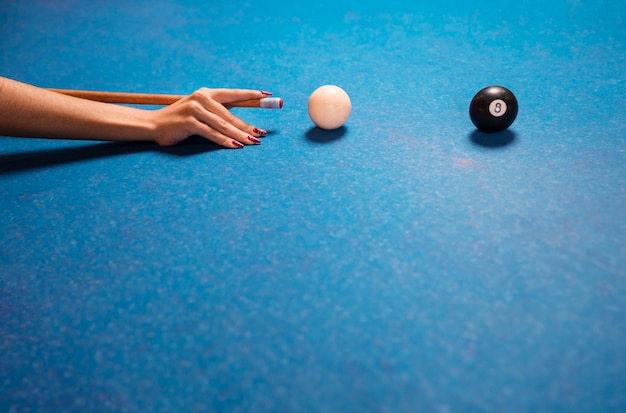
pixel 200 95
pixel 195 107
pixel 230 118
pixel 223 124
pixel 203 93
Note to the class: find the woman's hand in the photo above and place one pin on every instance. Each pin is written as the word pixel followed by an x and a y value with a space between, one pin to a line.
pixel 30 111
pixel 204 113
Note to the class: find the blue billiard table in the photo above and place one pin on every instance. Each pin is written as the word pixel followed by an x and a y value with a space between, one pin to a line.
pixel 405 262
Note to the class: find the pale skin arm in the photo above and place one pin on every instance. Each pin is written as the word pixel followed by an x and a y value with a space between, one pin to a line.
pixel 29 111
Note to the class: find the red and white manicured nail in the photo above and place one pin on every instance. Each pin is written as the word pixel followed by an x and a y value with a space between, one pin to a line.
pixel 254 140
pixel 259 131
pixel 266 93
pixel 237 144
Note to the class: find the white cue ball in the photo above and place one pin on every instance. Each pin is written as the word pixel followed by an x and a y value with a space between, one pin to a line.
pixel 329 107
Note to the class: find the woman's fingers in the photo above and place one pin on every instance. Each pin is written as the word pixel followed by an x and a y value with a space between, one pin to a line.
pixel 218 137
pixel 226 96
pixel 209 107
pixel 203 113
pixel 227 129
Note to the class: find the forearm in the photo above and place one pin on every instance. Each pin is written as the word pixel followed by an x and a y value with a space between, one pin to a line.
pixel 29 111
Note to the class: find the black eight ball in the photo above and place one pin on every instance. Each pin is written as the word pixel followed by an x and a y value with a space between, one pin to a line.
pixel 493 109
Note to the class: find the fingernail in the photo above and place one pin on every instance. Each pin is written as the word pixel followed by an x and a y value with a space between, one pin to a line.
pixel 254 140
pixel 259 131
pixel 238 144
pixel 266 93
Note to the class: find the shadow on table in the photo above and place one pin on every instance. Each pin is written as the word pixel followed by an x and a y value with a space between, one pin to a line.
pixel 24 161
pixel 319 135
pixel 493 140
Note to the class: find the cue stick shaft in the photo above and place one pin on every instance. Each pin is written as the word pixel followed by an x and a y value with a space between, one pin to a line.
pixel 158 99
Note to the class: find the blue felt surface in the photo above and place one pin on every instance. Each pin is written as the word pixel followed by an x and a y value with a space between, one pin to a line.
pixel 402 263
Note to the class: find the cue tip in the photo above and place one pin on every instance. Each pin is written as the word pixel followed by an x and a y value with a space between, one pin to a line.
pixel 271 103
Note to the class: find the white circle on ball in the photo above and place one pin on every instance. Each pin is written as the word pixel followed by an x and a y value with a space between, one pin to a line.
pixel 497 108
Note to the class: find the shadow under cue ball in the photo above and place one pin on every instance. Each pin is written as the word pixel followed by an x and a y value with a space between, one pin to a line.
pixel 329 107
pixel 493 109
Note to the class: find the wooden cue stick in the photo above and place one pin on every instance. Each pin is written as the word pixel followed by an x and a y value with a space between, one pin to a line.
pixel 142 98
